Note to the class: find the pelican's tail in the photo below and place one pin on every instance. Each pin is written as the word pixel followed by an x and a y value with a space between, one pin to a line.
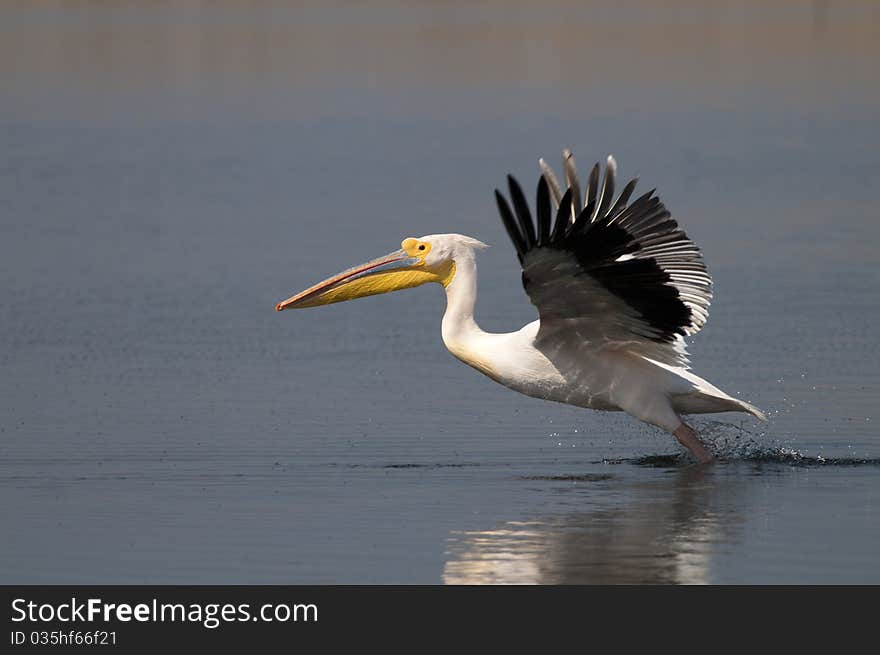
pixel 711 400
pixel 750 408
pixel 703 397
pixel 700 402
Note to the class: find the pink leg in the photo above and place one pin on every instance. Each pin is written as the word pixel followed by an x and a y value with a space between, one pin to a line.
pixel 689 439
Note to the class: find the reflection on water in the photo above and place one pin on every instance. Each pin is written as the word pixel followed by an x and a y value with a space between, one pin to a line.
pixel 664 533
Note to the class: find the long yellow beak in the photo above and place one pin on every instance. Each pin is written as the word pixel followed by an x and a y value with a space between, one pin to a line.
pixel 396 270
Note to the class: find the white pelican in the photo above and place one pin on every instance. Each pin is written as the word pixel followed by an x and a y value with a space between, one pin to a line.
pixel 617 286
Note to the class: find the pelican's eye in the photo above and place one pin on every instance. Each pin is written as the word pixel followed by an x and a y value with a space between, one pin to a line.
pixel 416 248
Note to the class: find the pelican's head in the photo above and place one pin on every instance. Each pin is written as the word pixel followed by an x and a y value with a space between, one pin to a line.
pixel 419 261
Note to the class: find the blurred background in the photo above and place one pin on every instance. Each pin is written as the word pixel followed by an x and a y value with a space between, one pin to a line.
pixel 171 169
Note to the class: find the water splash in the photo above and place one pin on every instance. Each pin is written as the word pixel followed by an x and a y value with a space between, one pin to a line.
pixel 794 458
pixel 729 441
pixel 784 456
pixel 735 443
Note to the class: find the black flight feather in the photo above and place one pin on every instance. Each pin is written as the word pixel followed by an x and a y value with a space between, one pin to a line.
pixel 636 251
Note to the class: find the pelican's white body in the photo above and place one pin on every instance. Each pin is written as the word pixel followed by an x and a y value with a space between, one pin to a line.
pixel 601 378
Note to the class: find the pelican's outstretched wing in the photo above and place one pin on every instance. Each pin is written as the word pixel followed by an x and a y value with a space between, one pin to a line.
pixel 607 273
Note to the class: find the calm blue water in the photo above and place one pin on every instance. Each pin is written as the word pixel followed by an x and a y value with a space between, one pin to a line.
pixel 168 173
